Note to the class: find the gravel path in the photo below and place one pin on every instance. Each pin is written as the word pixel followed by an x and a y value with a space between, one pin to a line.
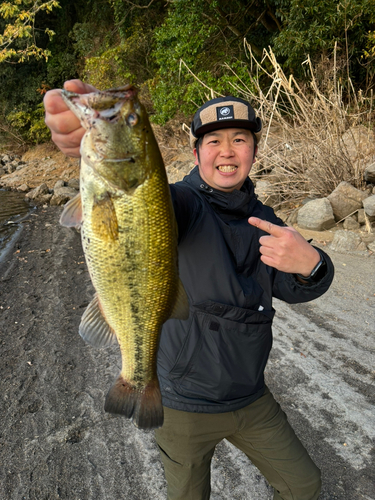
pixel 56 442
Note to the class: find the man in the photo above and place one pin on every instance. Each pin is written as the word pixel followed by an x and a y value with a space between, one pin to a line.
pixel 234 256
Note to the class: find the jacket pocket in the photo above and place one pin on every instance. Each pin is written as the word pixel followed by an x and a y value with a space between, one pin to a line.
pixel 224 354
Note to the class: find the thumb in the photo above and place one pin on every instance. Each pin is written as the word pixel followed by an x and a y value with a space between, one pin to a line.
pixel 79 87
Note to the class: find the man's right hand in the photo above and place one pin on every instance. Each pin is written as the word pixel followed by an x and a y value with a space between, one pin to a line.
pixel 65 127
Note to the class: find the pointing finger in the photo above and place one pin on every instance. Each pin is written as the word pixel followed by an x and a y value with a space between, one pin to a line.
pixel 268 227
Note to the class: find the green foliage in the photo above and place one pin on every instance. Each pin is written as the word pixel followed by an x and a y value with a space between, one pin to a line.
pixel 17 43
pixel 194 44
pixel 185 97
pixel 315 26
pixel 30 124
pixel 130 60
pixel 178 50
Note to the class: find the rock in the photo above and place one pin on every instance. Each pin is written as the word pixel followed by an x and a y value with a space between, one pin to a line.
pixel 370 173
pixel 2 172
pixel 267 193
pixel 63 194
pixel 177 170
pixel 37 192
pixel 59 184
pixel 368 238
pixel 292 218
pixel 316 215
pixel 74 183
pixel 46 198
pixel 345 200
pixel 369 205
pixel 351 224
pixel 347 241
pixel 358 142
pixel 371 247
pixel 5 159
pixel 24 188
pixel 11 166
pixel 361 217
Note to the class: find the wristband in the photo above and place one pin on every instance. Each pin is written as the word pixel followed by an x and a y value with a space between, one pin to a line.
pixel 316 274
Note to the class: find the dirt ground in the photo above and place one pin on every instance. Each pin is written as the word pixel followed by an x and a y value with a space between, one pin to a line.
pixel 56 441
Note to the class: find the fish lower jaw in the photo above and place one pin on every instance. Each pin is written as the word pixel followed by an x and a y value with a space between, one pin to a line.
pixel 226 168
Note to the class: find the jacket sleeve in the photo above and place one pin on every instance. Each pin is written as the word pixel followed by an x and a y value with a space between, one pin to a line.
pixel 287 288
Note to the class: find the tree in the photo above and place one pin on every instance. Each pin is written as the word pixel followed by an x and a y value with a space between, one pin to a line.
pixel 19 41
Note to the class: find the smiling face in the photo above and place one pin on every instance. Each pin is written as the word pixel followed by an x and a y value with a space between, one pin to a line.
pixel 225 158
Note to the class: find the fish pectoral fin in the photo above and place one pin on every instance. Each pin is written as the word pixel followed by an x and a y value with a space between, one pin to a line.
pixel 181 306
pixel 72 213
pixel 94 329
pixel 104 218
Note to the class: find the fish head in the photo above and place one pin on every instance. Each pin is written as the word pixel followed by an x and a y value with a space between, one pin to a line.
pixel 119 143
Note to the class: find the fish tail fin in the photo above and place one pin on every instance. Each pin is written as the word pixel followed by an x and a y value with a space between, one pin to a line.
pixel 142 405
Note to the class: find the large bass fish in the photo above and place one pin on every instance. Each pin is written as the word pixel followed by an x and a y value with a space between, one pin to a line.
pixel 129 237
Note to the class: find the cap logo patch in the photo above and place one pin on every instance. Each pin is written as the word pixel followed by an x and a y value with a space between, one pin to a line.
pixel 225 113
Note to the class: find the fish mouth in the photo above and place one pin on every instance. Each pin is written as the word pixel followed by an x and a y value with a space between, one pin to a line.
pixel 227 168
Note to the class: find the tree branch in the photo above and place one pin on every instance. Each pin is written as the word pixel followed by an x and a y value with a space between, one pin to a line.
pixel 139 6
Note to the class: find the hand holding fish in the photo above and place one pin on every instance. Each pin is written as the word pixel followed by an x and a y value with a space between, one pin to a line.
pixel 285 249
pixel 65 127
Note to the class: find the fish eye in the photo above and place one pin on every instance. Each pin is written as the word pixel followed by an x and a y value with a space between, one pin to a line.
pixel 132 119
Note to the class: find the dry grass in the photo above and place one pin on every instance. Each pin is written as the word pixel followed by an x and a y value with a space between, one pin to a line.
pixel 10 140
pixel 312 141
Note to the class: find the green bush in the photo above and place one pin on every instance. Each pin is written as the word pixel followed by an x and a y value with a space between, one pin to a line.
pixel 30 124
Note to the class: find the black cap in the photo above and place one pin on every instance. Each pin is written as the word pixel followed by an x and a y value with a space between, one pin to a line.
pixel 224 112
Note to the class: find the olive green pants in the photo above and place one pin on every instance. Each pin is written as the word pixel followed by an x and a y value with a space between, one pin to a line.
pixel 187 442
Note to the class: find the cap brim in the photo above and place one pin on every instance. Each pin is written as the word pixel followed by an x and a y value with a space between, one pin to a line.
pixel 209 127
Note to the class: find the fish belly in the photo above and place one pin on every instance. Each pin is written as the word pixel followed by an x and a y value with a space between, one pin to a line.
pixel 130 246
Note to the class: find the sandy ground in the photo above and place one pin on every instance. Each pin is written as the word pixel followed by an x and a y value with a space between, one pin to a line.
pixel 56 442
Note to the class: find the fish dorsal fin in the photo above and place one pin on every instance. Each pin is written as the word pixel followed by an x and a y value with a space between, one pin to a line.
pixel 181 306
pixel 72 213
pixel 93 327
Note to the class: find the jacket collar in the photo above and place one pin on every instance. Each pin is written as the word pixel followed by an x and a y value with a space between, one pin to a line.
pixel 234 205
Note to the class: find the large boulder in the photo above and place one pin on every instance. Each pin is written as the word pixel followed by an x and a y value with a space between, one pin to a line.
pixel 38 192
pixel 345 200
pixel 369 205
pixel 63 194
pixel 347 241
pixel 316 215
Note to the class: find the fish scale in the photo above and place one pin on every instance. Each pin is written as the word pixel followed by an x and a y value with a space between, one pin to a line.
pixel 129 237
